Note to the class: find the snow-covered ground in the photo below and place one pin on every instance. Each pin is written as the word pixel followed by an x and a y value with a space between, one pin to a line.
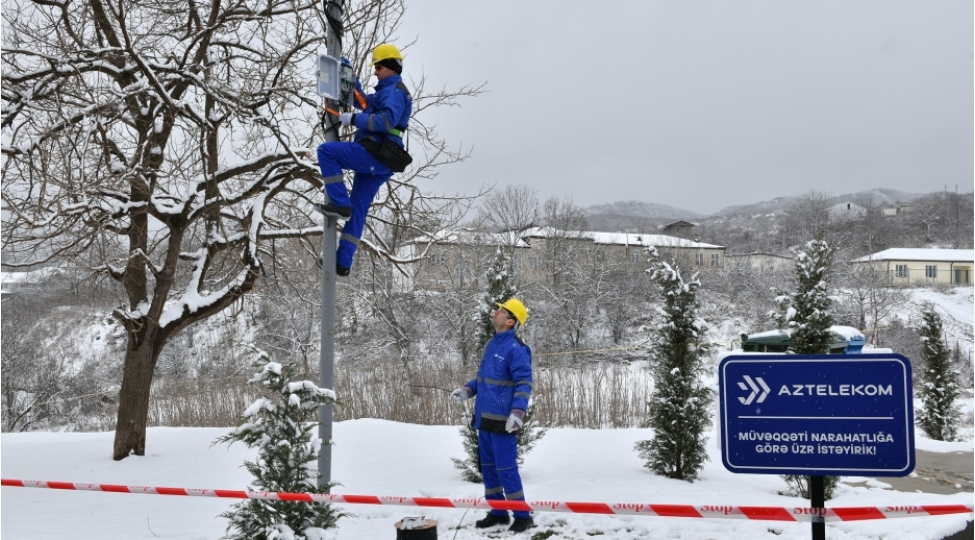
pixel 386 458
pixel 956 308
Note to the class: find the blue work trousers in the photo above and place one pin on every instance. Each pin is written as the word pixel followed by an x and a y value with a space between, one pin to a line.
pixel 499 468
pixel 370 175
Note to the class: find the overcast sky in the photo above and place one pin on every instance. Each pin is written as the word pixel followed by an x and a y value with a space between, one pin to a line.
pixel 701 105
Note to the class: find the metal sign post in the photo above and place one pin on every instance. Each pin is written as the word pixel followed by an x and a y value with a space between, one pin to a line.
pixel 817 501
pixel 334 13
pixel 822 415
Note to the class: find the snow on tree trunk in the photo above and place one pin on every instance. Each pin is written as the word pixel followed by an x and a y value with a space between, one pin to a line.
pixel 281 427
pixel 807 314
pixel 679 406
pixel 939 385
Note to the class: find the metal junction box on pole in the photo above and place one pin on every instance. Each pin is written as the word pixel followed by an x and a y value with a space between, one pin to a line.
pixel 328 78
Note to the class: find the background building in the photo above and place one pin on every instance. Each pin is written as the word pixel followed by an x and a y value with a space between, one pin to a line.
pixel 917 266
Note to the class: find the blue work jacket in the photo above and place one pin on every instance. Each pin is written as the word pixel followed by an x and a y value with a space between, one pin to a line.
pixel 388 108
pixel 503 383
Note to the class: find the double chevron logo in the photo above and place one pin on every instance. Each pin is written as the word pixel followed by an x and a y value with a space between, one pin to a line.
pixel 755 390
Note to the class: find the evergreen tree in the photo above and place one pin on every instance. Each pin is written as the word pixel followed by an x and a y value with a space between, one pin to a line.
pixel 808 314
pixel 501 286
pixel 679 406
pixel 280 426
pixel 470 466
pixel 939 387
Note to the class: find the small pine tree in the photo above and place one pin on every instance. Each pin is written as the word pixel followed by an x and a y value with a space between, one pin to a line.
pixel 280 426
pixel 939 386
pixel 470 466
pixel 679 406
pixel 501 286
pixel 808 314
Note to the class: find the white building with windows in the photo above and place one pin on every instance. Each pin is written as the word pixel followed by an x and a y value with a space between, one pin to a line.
pixel 457 259
pixel 766 262
pixel 631 246
pixel 920 266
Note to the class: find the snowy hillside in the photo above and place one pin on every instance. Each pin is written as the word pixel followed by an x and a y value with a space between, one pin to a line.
pixel 874 197
pixel 376 457
pixel 634 216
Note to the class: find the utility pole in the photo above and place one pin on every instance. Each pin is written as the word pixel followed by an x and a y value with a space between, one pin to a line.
pixel 334 15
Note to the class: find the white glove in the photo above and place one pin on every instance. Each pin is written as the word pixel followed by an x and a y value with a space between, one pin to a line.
pixel 461 395
pixel 346 118
pixel 515 421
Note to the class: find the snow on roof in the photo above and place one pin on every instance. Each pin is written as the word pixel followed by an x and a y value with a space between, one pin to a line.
pixel 921 254
pixel 847 332
pixel 769 333
pixel 624 239
pixel 467 236
pixel 656 240
pixel 758 254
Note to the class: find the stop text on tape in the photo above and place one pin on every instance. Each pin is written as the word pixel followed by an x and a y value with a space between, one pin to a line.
pixel 766 513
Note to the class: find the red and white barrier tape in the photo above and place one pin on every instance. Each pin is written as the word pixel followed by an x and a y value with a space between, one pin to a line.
pixel 767 513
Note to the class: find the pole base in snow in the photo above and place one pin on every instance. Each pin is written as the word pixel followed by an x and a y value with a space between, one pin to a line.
pixel 416 529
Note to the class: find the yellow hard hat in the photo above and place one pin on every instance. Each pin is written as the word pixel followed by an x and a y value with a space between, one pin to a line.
pixel 516 308
pixel 385 51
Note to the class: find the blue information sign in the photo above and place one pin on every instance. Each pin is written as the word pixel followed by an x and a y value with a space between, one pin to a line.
pixel 823 415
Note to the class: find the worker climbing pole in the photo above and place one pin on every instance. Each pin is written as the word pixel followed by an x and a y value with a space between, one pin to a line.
pixel 374 155
pixel 376 152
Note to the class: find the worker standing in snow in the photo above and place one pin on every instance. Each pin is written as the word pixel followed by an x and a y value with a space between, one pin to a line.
pixel 381 123
pixel 503 387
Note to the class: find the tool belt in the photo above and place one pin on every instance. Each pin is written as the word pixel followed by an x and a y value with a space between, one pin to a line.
pixel 492 425
pixel 388 153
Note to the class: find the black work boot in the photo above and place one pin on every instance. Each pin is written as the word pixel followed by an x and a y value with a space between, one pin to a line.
pixel 491 520
pixel 339 269
pixel 521 524
pixel 329 209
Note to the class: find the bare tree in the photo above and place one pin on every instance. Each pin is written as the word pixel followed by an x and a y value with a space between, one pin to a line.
pixel 808 217
pixel 290 307
pixel 572 308
pixel 624 300
pixel 942 218
pixel 155 144
pixel 871 298
pixel 459 307
pixel 512 208
pixel 565 244
pixel 32 379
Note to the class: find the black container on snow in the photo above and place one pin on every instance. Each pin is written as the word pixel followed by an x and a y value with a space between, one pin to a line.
pixel 416 528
